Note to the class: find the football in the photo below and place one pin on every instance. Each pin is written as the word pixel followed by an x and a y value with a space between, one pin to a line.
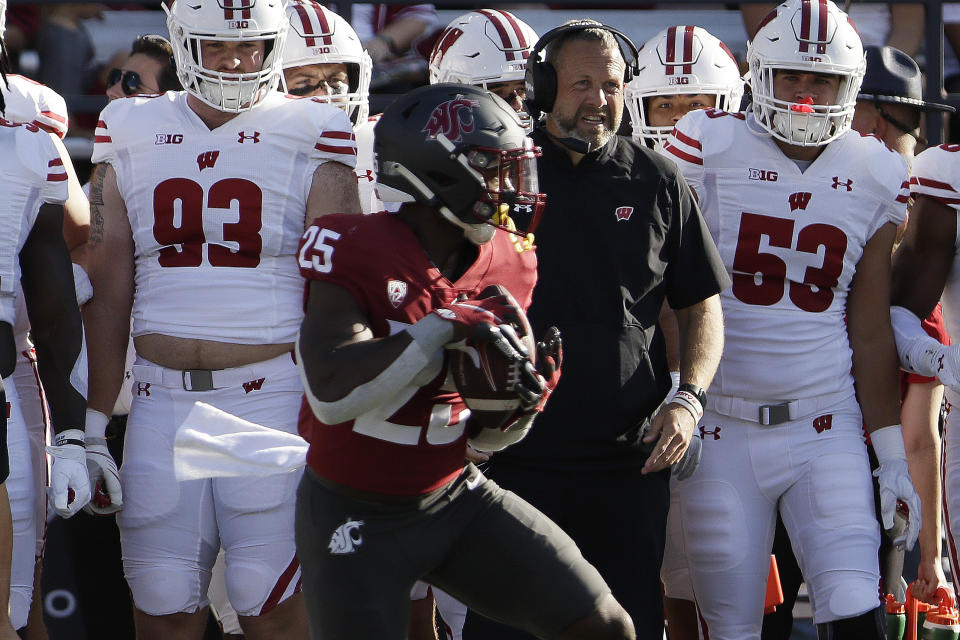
pixel 483 374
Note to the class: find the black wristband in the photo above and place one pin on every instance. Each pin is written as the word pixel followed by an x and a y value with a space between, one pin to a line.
pixel 700 394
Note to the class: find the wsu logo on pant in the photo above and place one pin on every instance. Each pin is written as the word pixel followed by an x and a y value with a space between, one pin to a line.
pixel 346 538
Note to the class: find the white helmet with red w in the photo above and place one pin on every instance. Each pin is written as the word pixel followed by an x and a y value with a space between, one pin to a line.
pixel 320 36
pixel 811 36
pixel 192 22
pixel 483 46
pixel 681 60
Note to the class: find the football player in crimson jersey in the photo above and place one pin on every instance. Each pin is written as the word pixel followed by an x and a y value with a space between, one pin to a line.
pixel 387 499
pixel 806 331
pixel 201 195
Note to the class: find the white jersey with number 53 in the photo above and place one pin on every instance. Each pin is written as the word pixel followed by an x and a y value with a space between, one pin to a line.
pixel 217 215
pixel 791 240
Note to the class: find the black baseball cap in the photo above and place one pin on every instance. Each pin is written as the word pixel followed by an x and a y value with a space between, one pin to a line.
pixel 893 76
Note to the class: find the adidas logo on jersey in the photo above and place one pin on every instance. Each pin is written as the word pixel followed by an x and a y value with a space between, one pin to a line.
pixel 346 538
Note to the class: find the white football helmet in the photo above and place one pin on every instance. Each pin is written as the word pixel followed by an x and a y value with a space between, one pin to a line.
pixel 483 46
pixel 191 22
pixel 681 60
pixel 319 36
pixel 811 36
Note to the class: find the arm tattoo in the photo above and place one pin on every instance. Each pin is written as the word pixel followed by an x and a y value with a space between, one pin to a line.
pixel 96 203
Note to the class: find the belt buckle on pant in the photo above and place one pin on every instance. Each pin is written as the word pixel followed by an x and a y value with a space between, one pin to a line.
pixel 199 380
pixel 772 414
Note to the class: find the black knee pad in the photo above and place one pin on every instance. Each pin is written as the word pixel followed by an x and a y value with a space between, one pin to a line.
pixel 871 625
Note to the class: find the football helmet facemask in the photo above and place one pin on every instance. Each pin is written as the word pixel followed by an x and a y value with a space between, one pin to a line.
pixel 482 47
pixel 681 60
pixel 191 23
pixel 462 151
pixel 811 36
pixel 319 36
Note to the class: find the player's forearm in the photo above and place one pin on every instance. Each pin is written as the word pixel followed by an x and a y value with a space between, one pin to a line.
pixel 920 415
pixel 701 341
pixel 107 320
pixel 347 381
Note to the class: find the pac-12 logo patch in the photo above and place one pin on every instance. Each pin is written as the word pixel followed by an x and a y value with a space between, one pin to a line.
pixel 396 292
pixel 623 213
pixel 452 118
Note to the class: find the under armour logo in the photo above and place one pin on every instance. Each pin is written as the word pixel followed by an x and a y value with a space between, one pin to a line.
pixel 253 385
pixel 525 208
pixel 207 159
pixel 837 184
pixel 799 200
pixel 822 423
pixel 346 538
pixel 705 432
pixel 143 389
pixel 367 175
pixel 243 136
pixel 623 213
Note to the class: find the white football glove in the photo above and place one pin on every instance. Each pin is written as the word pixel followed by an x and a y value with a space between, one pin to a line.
pixel 104 479
pixel 895 482
pixel 68 473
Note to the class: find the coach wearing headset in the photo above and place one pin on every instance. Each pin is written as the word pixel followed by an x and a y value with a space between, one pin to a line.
pixel 621 232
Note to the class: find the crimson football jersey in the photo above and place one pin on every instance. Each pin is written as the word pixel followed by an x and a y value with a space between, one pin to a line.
pixel 415 442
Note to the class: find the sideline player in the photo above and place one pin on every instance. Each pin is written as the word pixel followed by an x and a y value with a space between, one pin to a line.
pixel 29 101
pixel 486 48
pixel 387 433
pixel 35 257
pixel 925 269
pixel 681 69
pixel 206 192
pixel 804 212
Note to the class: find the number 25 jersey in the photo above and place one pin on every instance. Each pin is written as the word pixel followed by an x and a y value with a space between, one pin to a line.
pixel 217 215
pixel 791 240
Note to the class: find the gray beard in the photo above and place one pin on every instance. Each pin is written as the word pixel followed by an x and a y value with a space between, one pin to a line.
pixel 571 132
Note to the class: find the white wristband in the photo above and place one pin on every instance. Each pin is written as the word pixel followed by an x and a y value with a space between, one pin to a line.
pixel 888 443
pixel 689 402
pixel 96 424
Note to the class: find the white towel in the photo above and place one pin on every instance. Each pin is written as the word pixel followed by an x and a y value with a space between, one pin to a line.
pixel 215 444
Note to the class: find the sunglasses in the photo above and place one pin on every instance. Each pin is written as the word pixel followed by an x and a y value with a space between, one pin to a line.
pixel 129 80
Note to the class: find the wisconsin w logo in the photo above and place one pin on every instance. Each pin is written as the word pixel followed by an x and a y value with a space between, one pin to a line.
pixel 799 200
pixel 207 159
pixel 253 385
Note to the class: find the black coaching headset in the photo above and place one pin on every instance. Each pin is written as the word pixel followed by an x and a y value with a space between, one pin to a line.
pixel 541 78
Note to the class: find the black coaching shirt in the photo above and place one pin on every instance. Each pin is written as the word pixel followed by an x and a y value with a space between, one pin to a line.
pixel 621 231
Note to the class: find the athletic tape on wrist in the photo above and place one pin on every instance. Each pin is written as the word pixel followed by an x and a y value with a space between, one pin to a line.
pixel 689 402
pixel 888 443
pixel 96 424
